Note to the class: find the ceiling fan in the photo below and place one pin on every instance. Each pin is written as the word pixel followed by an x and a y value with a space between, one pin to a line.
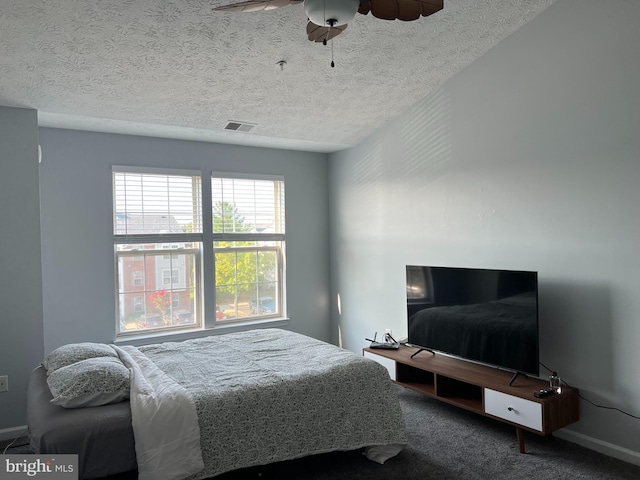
pixel 329 18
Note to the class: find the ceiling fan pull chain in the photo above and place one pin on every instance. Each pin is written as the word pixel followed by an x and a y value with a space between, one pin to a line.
pixel 332 64
pixel 331 23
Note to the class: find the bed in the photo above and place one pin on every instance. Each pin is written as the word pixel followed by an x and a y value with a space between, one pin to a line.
pixel 202 407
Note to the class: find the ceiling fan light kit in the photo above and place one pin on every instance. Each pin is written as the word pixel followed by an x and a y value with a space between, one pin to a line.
pixel 329 18
pixel 331 12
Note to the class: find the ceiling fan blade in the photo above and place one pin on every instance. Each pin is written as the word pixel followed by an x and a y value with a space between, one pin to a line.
pixel 406 10
pixel 317 33
pixel 256 5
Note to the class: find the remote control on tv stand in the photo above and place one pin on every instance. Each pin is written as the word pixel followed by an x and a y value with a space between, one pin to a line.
pixel 387 345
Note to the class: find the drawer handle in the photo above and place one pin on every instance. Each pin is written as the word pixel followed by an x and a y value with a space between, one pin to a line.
pixel 511 409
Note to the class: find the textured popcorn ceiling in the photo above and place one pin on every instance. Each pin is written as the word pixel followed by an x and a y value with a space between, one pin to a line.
pixel 177 69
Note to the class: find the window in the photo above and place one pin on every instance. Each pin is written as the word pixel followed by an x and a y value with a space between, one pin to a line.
pixel 136 277
pixel 248 243
pixel 137 304
pixel 160 248
pixel 170 276
pixel 158 231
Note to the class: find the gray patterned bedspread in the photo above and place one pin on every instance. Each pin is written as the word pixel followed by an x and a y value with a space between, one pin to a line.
pixel 270 395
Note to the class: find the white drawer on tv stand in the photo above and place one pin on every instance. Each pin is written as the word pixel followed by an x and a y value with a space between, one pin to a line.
pixel 513 409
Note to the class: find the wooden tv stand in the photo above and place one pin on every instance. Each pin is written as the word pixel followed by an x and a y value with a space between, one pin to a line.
pixel 481 389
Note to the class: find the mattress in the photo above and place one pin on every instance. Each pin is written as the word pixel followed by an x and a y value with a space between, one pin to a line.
pixel 103 436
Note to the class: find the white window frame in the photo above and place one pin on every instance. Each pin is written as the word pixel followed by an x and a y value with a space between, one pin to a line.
pixel 258 237
pixel 205 302
pixel 165 242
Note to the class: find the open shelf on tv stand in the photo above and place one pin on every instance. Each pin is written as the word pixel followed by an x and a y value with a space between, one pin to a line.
pixel 484 390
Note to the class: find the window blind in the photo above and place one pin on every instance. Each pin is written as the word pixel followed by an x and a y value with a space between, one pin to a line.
pixel 248 206
pixel 156 203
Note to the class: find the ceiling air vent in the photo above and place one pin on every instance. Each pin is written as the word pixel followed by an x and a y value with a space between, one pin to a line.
pixel 239 126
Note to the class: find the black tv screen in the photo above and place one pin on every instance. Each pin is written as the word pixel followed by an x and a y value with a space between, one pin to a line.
pixel 482 315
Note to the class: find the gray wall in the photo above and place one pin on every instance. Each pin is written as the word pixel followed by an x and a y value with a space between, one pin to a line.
pixel 528 159
pixel 67 294
pixel 21 340
pixel 77 245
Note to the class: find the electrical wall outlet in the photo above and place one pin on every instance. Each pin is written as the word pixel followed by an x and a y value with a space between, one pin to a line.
pixel 387 335
pixel 4 383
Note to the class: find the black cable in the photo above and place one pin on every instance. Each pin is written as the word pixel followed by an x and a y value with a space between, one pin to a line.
pixel 11 443
pixel 589 401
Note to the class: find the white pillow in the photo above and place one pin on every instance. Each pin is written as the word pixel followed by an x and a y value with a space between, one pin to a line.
pixel 90 383
pixel 76 352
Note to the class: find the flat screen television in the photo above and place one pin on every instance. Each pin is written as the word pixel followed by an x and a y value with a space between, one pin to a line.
pixel 486 316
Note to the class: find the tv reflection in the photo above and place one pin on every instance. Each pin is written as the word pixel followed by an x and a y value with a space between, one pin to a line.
pixel 485 316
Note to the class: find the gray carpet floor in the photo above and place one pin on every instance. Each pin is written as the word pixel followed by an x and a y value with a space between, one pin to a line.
pixel 446 442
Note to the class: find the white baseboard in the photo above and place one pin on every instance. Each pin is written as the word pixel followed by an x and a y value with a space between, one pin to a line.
pixel 13 432
pixel 600 446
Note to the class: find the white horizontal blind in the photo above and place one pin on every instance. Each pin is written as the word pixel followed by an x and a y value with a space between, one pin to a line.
pixel 244 206
pixel 156 203
pixel 157 225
